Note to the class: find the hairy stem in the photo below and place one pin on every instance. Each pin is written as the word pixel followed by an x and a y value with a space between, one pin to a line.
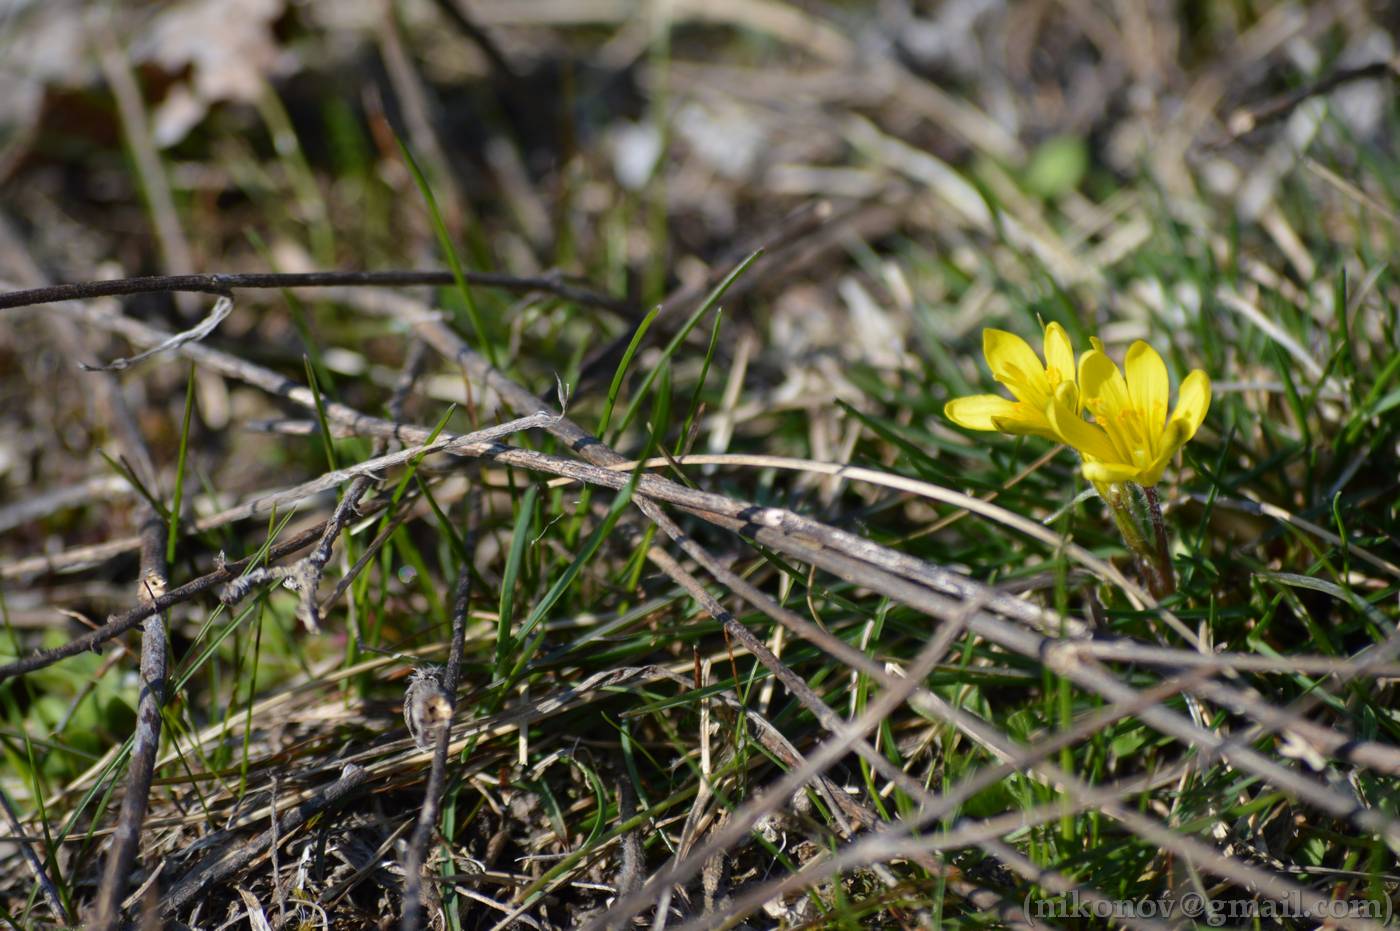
pixel 1151 555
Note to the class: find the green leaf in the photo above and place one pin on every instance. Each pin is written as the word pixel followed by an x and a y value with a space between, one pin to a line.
pixel 1057 167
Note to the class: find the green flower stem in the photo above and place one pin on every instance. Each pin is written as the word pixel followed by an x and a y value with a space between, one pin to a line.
pixel 1159 536
pixel 1152 556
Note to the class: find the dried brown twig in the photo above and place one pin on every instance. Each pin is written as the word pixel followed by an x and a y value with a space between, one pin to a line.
pixel 316 561
pixel 151 583
pixel 126 839
pixel 415 856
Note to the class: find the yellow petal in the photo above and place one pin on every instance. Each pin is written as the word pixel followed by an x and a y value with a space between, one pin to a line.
pixel 978 411
pixel 1147 383
pixel 1071 396
pixel 1014 363
pixel 1102 384
pixel 1108 473
pixel 1192 402
pixel 1074 430
pixel 1173 438
pixel 1059 355
pixel 1026 421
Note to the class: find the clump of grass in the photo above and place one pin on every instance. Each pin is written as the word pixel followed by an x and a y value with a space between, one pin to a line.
pixel 700 674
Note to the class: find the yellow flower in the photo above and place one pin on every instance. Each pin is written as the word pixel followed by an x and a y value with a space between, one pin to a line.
pixel 1131 439
pixel 1034 385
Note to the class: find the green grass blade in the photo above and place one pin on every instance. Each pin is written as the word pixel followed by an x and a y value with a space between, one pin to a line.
pixel 622 366
pixel 684 331
pixel 450 252
pixel 510 575
pixel 327 442
pixel 178 494
pixel 693 408
pixel 121 468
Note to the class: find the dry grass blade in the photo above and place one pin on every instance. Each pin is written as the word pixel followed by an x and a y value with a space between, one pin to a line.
pixel 742 821
pixel 221 865
pixel 222 308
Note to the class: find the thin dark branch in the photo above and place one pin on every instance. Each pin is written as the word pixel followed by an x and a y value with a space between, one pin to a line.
pixel 461 602
pixel 126 838
pixel 416 854
pixel 118 624
pixel 555 284
pixel 152 581
pixel 36 865
pixel 1247 120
